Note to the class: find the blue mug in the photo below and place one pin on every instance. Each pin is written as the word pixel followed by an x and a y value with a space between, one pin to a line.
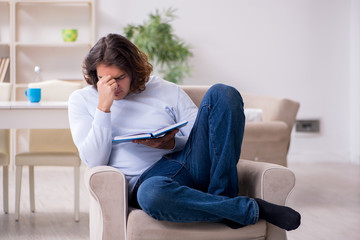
pixel 33 94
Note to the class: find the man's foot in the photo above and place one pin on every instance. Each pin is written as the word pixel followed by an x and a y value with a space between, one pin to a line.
pixel 281 216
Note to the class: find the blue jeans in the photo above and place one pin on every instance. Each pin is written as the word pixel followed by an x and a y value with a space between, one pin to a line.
pixel 200 182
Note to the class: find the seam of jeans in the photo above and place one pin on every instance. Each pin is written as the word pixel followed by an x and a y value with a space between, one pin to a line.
pixel 205 105
pixel 256 217
pixel 178 171
pixel 212 143
pixel 211 137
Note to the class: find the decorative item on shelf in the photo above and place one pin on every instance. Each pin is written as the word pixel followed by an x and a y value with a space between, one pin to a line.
pixel 5 91
pixel 69 35
pixel 167 52
pixel 37 70
pixel 4 65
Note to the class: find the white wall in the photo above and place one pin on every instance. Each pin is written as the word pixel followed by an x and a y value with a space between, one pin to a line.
pixel 299 49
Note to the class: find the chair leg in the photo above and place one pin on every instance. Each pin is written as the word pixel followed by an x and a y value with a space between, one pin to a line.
pixel 32 188
pixel 6 189
pixel 77 193
pixel 18 191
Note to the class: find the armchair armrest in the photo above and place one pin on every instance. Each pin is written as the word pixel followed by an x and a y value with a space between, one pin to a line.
pixel 267 181
pixel 108 202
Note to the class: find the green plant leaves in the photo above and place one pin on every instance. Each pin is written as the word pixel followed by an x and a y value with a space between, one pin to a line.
pixel 166 51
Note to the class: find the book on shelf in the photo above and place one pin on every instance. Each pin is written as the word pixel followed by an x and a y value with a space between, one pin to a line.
pixel 155 134
pixel 4 65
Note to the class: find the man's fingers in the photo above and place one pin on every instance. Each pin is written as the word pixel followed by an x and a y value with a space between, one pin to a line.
pixel 162 142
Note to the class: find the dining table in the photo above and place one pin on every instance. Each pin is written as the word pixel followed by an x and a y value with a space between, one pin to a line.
pixel 25 114
pixel 16 115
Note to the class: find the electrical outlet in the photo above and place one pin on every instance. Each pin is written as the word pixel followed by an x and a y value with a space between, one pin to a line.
pixel 308 126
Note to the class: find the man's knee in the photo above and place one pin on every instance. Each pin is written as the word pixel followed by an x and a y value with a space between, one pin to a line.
pixel 153 193
pixel 225 94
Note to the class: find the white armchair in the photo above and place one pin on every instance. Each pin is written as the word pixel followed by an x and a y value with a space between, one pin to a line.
pixel 111 218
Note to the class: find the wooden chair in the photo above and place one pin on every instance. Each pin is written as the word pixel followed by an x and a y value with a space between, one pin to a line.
pixel 49 147
pixel 5 93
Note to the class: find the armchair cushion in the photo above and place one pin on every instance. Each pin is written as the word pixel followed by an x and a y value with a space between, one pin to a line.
pixel 142 226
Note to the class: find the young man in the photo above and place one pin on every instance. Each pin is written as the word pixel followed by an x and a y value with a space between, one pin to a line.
pixel 187 175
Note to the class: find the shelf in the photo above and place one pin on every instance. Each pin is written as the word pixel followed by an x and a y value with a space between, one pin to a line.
pixel 53 45
pixel 4 44
pixel 43 23
pixel 61 63
pixel 31 35
pixel 52 2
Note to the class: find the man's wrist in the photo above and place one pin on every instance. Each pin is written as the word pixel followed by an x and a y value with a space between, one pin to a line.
pixel 103 109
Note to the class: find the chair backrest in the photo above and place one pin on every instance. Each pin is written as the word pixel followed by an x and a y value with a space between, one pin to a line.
pixel 5 95
pixel 53 140
pixel 55 90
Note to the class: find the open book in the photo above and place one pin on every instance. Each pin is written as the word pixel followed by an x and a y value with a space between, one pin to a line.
pixel 156 134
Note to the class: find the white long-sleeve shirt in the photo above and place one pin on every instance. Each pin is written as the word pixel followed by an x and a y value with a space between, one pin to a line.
pixel 161 104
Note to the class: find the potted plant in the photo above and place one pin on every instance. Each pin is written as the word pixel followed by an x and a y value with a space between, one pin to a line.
pixel 167 52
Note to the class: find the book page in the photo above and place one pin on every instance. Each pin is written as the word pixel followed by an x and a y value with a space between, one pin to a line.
pixel 169 128
pixel 158 133
pixel 127 138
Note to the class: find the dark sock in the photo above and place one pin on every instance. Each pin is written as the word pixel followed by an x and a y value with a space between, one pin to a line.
pixel 281 216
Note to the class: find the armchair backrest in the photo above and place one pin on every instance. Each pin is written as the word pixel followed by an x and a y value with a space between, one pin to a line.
pixel 195 92
pixel 273 108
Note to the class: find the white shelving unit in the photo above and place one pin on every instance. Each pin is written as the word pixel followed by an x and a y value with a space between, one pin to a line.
pixel 31 34
pixel 5 26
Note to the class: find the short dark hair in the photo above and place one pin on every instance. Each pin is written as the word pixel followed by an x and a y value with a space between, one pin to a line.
pixel 116 50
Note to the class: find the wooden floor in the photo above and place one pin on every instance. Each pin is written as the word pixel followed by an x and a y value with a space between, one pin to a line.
pixel 328 198
pixel 54 207
pixel 327 195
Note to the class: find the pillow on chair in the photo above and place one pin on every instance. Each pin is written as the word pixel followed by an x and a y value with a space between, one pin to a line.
pixel 253 114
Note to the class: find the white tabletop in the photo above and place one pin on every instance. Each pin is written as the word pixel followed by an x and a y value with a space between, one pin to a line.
pixel 23 114
pixel 30 105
